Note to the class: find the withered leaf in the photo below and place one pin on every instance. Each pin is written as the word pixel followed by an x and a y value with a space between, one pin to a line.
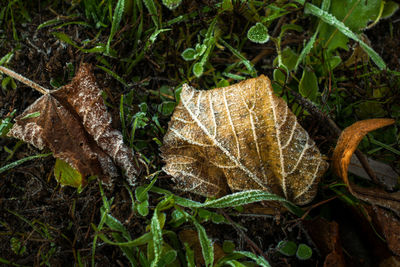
pixel 237 138
pixel 346 145
pixel 390 227
pixel 325 235
pixel 74 124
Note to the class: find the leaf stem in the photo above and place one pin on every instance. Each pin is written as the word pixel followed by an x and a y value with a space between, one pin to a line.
pixel 24 80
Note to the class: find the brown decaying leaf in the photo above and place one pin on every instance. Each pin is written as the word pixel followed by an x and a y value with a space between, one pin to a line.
pixel 346 145
pixel 325 234
pixel 240 137
pixel 75 125
pixel 390 227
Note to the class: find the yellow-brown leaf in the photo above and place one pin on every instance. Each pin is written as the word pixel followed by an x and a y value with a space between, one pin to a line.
pixel 238 138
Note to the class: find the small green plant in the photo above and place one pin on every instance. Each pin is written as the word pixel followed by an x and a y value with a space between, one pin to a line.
pixel 290 248
pixel 162 244
pixel 258 33
pixel 17 246
pixel 171 4
pixel 201 51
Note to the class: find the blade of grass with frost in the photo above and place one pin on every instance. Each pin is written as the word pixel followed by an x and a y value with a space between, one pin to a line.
pixel 122 116
pixel 103 218
pixel 116 226
pixel 65 38
pixel 207 248
pixel 306 50
pixel 140 241
pixel 7 58
pixel 157 237
pixel 151 7
pixel 245 61
pixel 19 162
pixel 118 12
pixel 259 260
pixel 232 200
pixel 113 74
pixel 332 20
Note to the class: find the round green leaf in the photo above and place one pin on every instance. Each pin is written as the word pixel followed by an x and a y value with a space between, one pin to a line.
pixel 217 218
pixel 167 107
pixel 189 54
pixel 304 252
pixel 143 208
pixel 198 69
pixel 287 248
pixel 172 4
pixel 258 34
pixel 169 256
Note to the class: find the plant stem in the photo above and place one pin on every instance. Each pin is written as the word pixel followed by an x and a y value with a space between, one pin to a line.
pixel 24 80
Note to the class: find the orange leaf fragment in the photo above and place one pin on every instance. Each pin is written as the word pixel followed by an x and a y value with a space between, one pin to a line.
pixel 346 145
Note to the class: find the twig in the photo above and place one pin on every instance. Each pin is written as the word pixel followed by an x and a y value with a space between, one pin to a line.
pixel 335 130
pixel 24 80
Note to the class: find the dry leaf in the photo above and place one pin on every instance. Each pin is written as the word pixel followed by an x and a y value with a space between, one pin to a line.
pixel 74 124
pixel 325 234
pixel 240 137
pixel 390 227
pixel 346 145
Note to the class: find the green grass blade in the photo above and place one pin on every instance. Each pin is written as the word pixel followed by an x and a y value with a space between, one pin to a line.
pixel 113 74
pixel 151 7
pixel 259 260
pixel 140 241
pixel 48 23
pixel 118 12
pixel 237 199
pixel 232 200
pixel 245 61
pixel 19 162
pixel 387 147
pixel 331 20
pixel 157 237
pixel 122 116
pixel 205 242
pixel 306 50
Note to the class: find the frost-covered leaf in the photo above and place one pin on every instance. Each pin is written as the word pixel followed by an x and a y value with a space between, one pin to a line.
pixel 258 33
pixel 189 54
pixel 238 138
pixel 198 69
pixel 75 125
pixel 171 4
